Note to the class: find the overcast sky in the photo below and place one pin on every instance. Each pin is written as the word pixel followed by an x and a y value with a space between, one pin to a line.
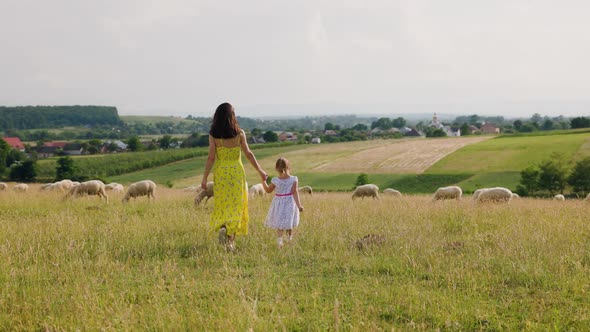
pixel 180 57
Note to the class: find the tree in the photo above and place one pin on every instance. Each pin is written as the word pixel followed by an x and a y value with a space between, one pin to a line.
pixel 527 128
pixel 517 124
pixel 435 132
pixel 536 118
pixel 328 126
pixel 255 132
pixel 465 130
pixel 165 141
pixel 363 178
pixel 270 136
pixel 4 149
pixel 579 179
pixel 134 144
pixel 382 123
pixel 360 127
pixel 529 181
pixel 580 122
pixel 398 122
pixel 547 124
pixel 65 168
pixel 553 175
pixel 23 171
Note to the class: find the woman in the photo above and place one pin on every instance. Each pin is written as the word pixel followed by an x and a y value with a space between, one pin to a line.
pixel 226 142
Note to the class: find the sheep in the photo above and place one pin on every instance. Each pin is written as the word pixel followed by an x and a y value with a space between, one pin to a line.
pixel 64 184
pixel 392 192
pixel 191 188
pixel 202 193
pixel 3 186
pixel 477 193
pixel 46 187
pixel 497 194
pixel 559 197
pixel 115 187
pixel 21 187
pixel 306 190
pixel 450 192
pixel 515 196
pixel 366 190
pixel 141 188
pixel 92 187
pixel 256 190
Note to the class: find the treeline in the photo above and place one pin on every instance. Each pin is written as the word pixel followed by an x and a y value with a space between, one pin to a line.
pixel 556 175
pixel 33 117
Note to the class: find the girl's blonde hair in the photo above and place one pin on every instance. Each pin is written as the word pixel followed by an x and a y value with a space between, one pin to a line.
pixel 282 165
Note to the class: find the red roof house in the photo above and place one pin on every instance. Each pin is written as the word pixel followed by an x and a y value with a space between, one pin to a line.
pixel 15 142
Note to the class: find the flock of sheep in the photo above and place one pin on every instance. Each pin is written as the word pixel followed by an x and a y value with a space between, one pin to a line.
pixel 92 187
pixel 496 194
pixel 148 188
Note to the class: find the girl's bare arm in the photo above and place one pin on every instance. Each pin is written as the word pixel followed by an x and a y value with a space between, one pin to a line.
pixel 295 192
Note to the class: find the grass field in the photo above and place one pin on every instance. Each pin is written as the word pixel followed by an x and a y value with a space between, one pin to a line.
pixel 87 265
pixel 410 165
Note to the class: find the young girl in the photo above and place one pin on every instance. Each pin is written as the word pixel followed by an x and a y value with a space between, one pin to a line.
pixel 285 207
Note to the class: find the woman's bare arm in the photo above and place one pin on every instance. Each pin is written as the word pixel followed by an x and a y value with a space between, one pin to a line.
pixel 250 156
pixel 209 163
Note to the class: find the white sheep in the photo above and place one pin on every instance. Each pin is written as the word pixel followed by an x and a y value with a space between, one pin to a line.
pixel 204 193
pixel 3 186
pixel 559 197
pixel 477 192
pixel 366 190
pixel 21 187
pixel 450 192
pixel 392 192
pixel 256 190
pixel 515 196
pixel 64 184
pixel 141 188
pixel 47 187
pixel 92 187
pixel 115 187
pixel 191 189
pixel 497 194
pixel 306 190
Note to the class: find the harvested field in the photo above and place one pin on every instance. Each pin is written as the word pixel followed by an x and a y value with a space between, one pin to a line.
pixel 405 156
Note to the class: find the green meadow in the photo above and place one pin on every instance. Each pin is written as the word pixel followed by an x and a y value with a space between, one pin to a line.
pixel 82 264
pixel 493 162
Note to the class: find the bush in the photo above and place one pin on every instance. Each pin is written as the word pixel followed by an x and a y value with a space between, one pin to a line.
pixel 362 179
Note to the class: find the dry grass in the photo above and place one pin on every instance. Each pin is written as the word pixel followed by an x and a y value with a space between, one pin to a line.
pixel 377 156
pixel 82 264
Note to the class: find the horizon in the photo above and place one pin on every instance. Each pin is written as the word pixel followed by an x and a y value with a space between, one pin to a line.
pixel 510 58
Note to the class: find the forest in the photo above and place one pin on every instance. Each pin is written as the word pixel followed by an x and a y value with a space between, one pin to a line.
pixel 33 117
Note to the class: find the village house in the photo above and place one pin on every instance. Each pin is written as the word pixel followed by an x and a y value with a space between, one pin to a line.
pixel 15 143
pixel 287 136
pixel 489 128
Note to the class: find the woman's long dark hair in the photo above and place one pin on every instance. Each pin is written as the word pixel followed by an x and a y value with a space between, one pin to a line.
pixel 225 124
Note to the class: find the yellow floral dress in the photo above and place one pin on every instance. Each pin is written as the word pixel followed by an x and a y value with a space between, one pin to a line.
pixel 230 192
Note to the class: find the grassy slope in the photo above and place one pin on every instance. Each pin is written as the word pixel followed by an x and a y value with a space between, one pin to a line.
pixel 498 162
pixel 85 265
